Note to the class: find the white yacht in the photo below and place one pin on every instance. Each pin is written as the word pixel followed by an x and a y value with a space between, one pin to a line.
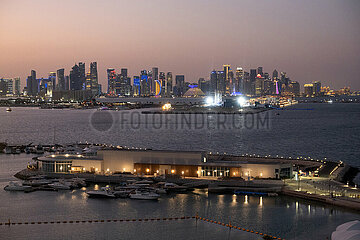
pixel 144 195
pixel 105 192
pixel 16 186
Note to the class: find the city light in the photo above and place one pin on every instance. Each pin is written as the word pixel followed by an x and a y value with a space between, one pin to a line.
pixel 209 100
pixel 166 107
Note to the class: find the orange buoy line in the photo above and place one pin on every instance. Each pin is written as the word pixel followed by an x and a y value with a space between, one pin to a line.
pixel 229 225
pixel 9 223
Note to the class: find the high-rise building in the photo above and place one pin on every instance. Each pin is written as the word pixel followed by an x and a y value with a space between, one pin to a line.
pixel 6 86
pixel 150 82
pixel 52 77
pixel 111 74
pixel 34 83
pixel 60 79
pixel 316 88
pixel 266 75
pixel 17 86
pixel 228 83
pixel 252 81
pixel 169 84
pixel 123 84
pixel 308 89
pixel 213 82
pixel 88 81
pixel 94 79
pixel 269 87
pixel 260 71
pixel 29 85
pixel 67 82
pixel 221 83
pixel 76 80
pixel 162 82
pixel 247 84
pixel 275 74
pixel 259 85
pixel 136 86
pixel 144 84
pixel 294 88
pixel 82 75
pixel 3 87
pixel 239 77
pixel 180 85
pixel 154 77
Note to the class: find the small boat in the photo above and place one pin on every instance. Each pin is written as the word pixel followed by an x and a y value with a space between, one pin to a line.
pixel 160 191
pixel 8 150
pixel 37 181
pixel 172 187
pixel 144 195
pixel 9 109
pixel 103 108
pixel 61 185
pixel 105 192
pixel 16 186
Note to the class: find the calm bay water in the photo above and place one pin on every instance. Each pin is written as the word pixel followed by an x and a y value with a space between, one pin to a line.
pixel 316 130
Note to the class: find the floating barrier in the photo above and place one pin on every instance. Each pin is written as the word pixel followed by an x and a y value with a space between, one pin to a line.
pixel 229 225
pixel 9 223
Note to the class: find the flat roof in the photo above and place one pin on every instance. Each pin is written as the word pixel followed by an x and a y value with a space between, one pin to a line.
pixel 66 157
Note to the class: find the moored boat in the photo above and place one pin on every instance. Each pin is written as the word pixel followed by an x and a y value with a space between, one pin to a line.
pixel 105 192
pixel 144 195
pixel 16 186
pixel 172 187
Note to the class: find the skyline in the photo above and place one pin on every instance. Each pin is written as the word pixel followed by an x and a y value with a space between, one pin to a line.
pixel 197 37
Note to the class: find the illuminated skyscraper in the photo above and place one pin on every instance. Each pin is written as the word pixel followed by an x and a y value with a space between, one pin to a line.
pixel 316 88
pixel 154 77
pixel 239 78
pixel 144 84
pixel 123 83
pixel 60 79
pixel 213 82
pixel 169 84
pixel 82 75
pixel 252 81
pixel 34 83
pixel 259 85
pixel 275 74
pixel 136 86
pixel 221 82
pixel 180 85
pixel 111 74
pixel 94 79
pixel 88 81
pixel 228 83
pixel 163 83
pixel 17 86
pixel 76 78
pixel 260 71
pixel 52 77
